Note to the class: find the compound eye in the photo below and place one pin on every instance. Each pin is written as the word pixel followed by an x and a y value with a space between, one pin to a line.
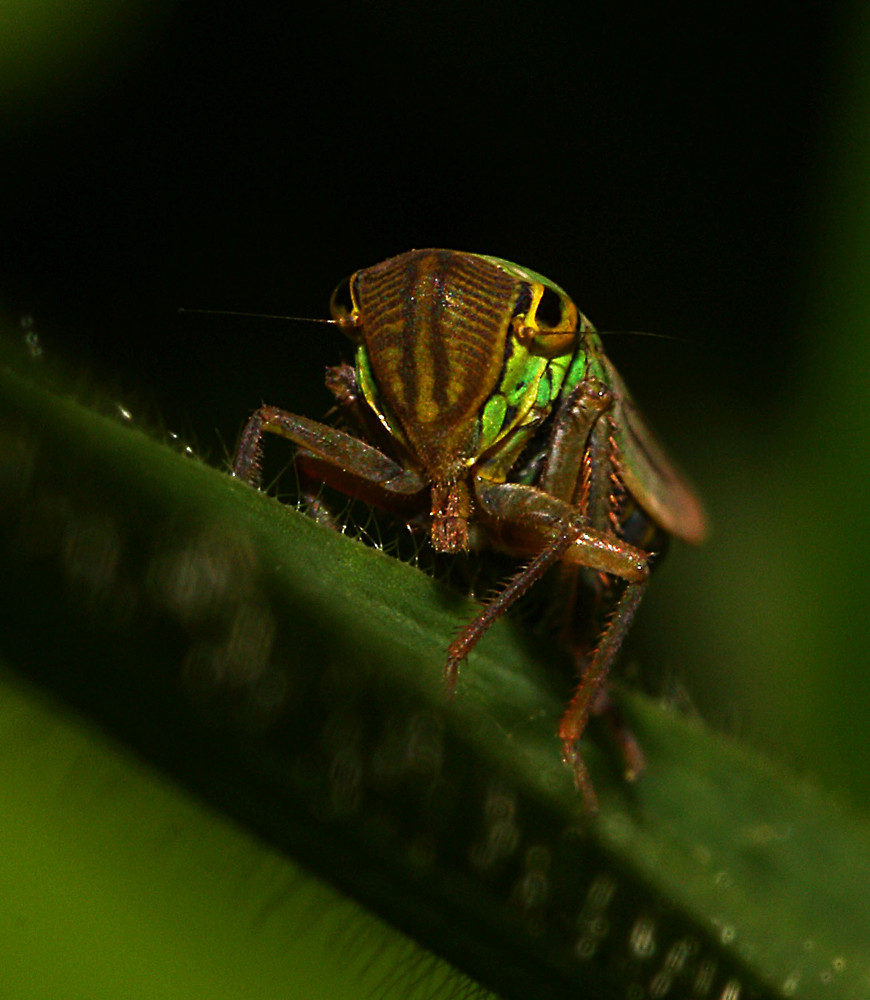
pixel 343 307
pixel 550 328
pixel 550 312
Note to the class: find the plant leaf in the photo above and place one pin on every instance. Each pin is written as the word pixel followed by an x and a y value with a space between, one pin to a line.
pixel 291 677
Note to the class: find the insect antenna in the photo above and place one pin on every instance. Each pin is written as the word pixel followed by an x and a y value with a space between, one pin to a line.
pixel 249 315
pixel 644 333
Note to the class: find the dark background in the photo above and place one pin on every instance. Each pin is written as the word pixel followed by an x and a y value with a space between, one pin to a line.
pixel 667 167
pixel 654 165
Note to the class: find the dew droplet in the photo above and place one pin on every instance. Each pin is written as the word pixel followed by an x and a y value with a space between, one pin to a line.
pixel 704 977
pixel 661 984
pixel 678 955
pixel 642 939
pixel 534 888
pixel 586 947
pixel 790 986
pixel 501 834
pixel 724 879
pixel 600 892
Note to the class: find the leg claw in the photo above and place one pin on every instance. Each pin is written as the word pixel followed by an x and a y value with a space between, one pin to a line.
pixel 582 781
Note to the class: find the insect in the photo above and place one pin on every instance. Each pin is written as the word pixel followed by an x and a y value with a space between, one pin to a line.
pixel 482 399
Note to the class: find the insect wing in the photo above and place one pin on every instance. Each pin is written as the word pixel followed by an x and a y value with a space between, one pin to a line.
pixel 649 474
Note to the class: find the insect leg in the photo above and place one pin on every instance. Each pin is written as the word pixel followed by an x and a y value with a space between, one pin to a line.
pixel 556 531
pixel 590 697
pixel 578 413
pixel 494 609
pixel 329 455
pixel 600 501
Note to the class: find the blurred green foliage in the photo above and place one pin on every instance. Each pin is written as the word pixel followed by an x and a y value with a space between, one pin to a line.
pixel 55 54
pixel 767 626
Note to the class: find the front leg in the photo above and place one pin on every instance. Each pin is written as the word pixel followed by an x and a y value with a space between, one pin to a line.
pixel 579 414
pixel 331 456
pixel 341 381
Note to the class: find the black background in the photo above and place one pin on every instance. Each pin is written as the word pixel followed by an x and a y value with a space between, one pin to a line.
pixel 660 165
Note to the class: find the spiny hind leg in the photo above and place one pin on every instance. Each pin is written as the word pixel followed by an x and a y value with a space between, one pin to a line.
pixel 591 697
